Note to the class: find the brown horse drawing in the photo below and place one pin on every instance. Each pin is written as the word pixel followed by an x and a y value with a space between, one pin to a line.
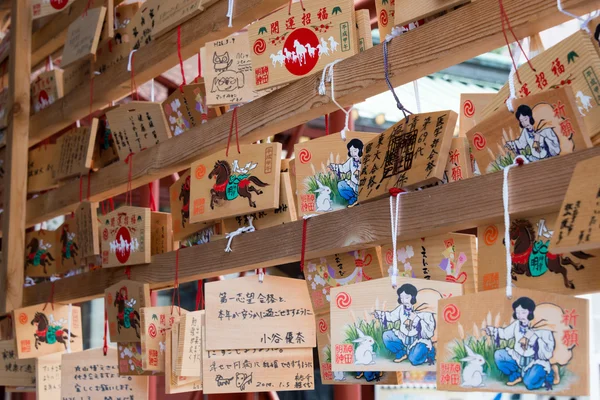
pixel 185 206
pixel 223 191
pixel 127 317
pixel 69 247
pixel 44 333
pixel 523 236
pixel 37 256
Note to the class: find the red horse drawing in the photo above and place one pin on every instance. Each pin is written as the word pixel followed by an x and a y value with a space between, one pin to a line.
pixel 184 195
pixel 228 186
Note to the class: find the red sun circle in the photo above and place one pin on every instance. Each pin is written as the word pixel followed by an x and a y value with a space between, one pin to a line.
pixel 302 36
pixel 58 4
pixel 123 254
pixel 43 96
pixel 383 18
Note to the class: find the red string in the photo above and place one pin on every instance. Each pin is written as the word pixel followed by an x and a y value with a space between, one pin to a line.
pixel 237 138
pixel 128 271
pixel 303 249
pixel 506 22
pixel 199 69
pixel 87 7
pixel 134 93
pixel 199 297
pixel 50 299
pixel 102 209
pixel 112 204
pixel 176 285
pixel 105 347
pixel 180 58
pixel 326 124
pixel 394 192
pixel 153 204
pixel 290 7
pixel 129 195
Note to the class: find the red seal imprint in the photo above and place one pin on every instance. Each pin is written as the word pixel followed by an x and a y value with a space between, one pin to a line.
pixel 490 235
pixel 322 326
pixel 451 313
pixel 343 300
pixel 383 18
pixel 200 171
pixel 23 318
pixel 259 46
pixel 469 109
pixel 479 141
pixel 152 331
pixel 304 156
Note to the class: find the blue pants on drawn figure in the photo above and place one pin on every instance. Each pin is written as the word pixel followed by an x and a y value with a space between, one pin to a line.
pixel 534 378
pixel 417 355
pixel 347 192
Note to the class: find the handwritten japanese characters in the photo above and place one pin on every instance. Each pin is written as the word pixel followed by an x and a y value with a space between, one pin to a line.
pixel 572 62
pixel 86 228
pixel 230 185
pixel 137 126
pixel 15 372
pixel 328 171
pixel 173 382
pixel 450 258
pixel 189 352
pixel 40 167
pixel 544 125
pixel 46 89
pixel 161 234
pixel 578 225
pixel 155 322
pixel 534 264
pixel 123 302
pixel 39 331
pixel 125 237
pixel 97 376
pixel 274 314
pixel 76 151
pixel 67 241
pixel 412 153
pixel 286 46
pixel 460 165
pixel 41 253
pixel 48 377
pixel 83 36
pixel 535 342
pixel 112 50
pixel 42 8
pixel 471 109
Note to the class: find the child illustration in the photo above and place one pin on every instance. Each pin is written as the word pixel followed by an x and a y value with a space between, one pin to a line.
pixel 348 186
pixel 535 143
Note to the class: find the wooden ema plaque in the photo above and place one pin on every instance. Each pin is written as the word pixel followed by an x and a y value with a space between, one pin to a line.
pixel 385 17
pixel 86 228
pixel 179 194
pixel 130 359
pixel 137 126
pixel 75 75
pixel 125 237
pixel 328 171
pixel 274 313
pixel 534 265
pixel 227 186
pixel 91 375
pixel 41 164
pixel 112 50
pixel 173 382
pixel 448 258
pixel 363 30
pixel 15 372
pixel 41 253
pixel 578 225
pixel 536 342
pixel 459 164
pixel 83 36
pixel 67 241
pixel 341 269
pixel 543 125
pixel 123 302
pixel 411 153
pixel 178 111
pixel 285 213
pixel 105 148
pixel 572 62
pixel 48 377
pixel 76 150
pixel 287 46
pixel 190 343
pixel 471 109
pixel 195 97
pixel 46 89
pixel 155 323
pixel 378 328
pixel 409 11
pixel 40 332
pixel 161 236
pixel 42 8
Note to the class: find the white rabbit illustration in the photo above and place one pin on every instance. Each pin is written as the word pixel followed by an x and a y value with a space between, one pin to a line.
pixel 364 354
pixel 323 197
pixel 338 376
pixel 472 373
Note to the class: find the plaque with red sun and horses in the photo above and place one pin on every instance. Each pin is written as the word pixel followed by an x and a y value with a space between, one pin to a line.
pixel 125 237
pixel 288 45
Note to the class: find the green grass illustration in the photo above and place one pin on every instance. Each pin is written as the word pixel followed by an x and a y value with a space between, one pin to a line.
pixel 501 162
pixel 326 180
pixel 373 329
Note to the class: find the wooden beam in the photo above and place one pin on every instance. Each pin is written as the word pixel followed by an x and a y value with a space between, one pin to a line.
pixel 356 79
pixel 150 61
pixel 15 163
pixel 455 206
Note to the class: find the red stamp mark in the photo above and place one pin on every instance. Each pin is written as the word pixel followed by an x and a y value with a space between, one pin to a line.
pixel 304 156
pixel 469 109
pixel 259 46
pixel 153 357
pixel 307 202
pixel 490 235
pixel 479 141
pixel 23 318
pixel 326 371
pixel 343 300
pixel 383 17
pixel 450 374
pixel 491 281
pixel 25 346
pixel 317 297
pixel 322 325
pixel 200 171
pixel 152 331
pixel 199 206
pixel 344 354
pixel 451 313
pixel 261 75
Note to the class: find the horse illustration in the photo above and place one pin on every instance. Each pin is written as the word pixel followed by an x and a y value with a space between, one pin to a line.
pixel 532 258
pixel 228 186
pixel 278 58
pixel 184 195
pixel 38 256
pixel 46 333
pixel 300 51
pixel 69 247
pixel 127 317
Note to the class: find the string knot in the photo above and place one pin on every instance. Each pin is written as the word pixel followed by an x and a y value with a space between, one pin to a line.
pixel 244 229
pixel 327 76
pixel 394 192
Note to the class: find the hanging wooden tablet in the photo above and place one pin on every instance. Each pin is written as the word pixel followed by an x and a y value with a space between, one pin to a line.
pixel 125 238
pixel 105 148
pixel 578 225
pixel 328 171
pixel 75 75
pixel 39 331
pixel 173 382
pixel 408 11
pixel 189 351
pixel 274 313
pixel 15 372
pixel 293 179
pixel 130 359
pixel 543 125
pixel 195 97
pixel 179 194
pixel 83 36
pixel 227 186
pixel 178 112
pixel 41 253
pixel 123 302
pixel 46 89
pixel 363 29
pixel 448 258
pixel 67 240
pixel 287 46
pixel 572 62
pixel 86 228
pixel 471 109
pixel 339 269
pixel 41 164
pixel 137 126
pixel 534 266
pixel 535 342
pixel 48 377
pixel 111 51
pixel 42 8
pixel 125 13
pixel 155 322
pixel 424 142
pixel 459 164
pixel 102 380
pixel 161 235
pixel 378 328
pixel 385 17
pixel 76 151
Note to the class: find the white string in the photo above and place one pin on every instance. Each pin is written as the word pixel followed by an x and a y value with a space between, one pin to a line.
pixel 129 62
pixel 417 97
pixel 507 244
pixel 50 64
pixel 328 77
pixel 583 22
pixel 115 21
pixel 261 275
pixel 69 335
pixel 511 81
pixel 394 224
pixel 152 90
pixel 230 12
pixel 230 236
